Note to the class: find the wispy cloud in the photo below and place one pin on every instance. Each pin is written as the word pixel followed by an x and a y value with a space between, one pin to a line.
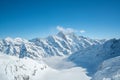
pixel 82 31
pixel 65 30
pixel 69 30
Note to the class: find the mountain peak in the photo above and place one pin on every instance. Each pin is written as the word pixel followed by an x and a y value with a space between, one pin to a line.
pixel 61 34
pixel 9 39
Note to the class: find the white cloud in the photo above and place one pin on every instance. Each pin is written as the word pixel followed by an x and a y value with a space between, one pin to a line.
pixel 65 30
pixel 69 30
pixel 82 31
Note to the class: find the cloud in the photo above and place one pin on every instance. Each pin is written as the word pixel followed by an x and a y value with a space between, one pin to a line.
pixel 69 30
pixel 82 31
pixel 65 30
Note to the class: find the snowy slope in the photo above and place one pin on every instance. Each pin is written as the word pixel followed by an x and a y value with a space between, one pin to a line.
pixel 92 56
pixel 76 73
pixel 109 70
pixel 13 68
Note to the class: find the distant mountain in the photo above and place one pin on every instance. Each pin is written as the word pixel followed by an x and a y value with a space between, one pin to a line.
pixel 20 48
pixel 63 44
pixel 56 45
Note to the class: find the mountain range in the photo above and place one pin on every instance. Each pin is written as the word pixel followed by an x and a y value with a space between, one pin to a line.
pixel 94 55
pixel 60 44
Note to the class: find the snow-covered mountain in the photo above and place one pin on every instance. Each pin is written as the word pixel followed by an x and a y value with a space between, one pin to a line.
pixel 64 44
pixel 20 48
pixel 108 70
pixel 60 44
pixel 59 54
pixel 13 68
pixel 93 56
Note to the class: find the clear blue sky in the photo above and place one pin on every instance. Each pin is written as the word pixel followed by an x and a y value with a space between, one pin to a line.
pixel 39 18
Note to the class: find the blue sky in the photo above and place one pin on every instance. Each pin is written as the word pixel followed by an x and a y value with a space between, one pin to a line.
pixel 39 18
